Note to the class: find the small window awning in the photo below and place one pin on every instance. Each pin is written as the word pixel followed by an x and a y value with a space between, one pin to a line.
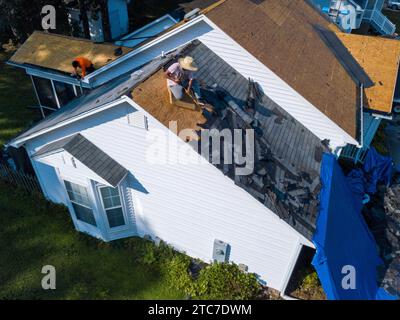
pixel 89 155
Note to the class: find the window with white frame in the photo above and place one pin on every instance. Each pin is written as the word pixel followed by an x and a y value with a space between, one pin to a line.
pixel 80 200
pixel 112 206
pixel 65 92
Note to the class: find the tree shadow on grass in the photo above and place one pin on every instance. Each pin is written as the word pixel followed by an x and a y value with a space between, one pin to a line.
pixel 34 233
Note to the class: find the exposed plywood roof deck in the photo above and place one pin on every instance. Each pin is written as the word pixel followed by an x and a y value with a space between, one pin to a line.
pixel 152 95
pixel 380 59
pixel 57 52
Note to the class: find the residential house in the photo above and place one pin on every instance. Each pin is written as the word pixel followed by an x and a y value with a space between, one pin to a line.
pixel 105 156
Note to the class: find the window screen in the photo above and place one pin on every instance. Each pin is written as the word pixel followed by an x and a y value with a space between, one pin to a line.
pixel 81 202
pixel 65 92
pixel 112 206
pixel 45 92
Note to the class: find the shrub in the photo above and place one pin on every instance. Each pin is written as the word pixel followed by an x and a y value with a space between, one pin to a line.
pixel 311 281
pixel 217 281
pixel 177 274
pixel 226 281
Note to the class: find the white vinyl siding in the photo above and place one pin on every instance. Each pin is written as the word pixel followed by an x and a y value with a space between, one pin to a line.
pixel 188 206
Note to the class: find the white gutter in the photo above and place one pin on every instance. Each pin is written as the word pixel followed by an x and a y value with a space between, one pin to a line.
pixel 143 48
pixel 44 74
pixel 362 115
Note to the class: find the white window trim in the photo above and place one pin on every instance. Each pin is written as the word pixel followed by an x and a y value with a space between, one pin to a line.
pixel 38 99
pixel 37 96
pixel 92 208
pixel 102 207
pixel 55 93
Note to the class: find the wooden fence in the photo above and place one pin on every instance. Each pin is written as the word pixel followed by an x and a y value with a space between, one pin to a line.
pixel 19 179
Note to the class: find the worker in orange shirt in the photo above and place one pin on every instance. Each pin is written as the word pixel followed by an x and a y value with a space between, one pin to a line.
pixel 84 64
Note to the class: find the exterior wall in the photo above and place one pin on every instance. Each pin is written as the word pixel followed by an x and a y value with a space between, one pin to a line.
pixel 186 205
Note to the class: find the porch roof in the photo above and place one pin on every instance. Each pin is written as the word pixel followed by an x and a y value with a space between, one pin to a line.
pixel 89 155
pixel 56 52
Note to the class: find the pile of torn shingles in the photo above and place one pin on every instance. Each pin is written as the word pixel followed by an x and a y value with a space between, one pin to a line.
pixel 383 217
pixel 287 159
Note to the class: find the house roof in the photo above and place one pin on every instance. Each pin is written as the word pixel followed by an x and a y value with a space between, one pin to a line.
pixel 282 35
pixel 380 59
pixel 56 52
pixel 287 156
pixel 94 100
pixel 89 155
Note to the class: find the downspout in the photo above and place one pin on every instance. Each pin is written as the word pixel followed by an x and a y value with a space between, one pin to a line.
pixel 362 114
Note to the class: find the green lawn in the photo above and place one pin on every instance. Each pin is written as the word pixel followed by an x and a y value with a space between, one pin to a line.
pixel 16 94
pixel 34 233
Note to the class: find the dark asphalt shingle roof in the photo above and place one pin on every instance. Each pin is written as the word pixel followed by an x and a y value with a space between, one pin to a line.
pixel 345 57
pixel 89 155
pixel 282 35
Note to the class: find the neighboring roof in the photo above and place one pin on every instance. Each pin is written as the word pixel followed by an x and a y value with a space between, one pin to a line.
pixel 56 52
pixel 380 59
pixel 287 160
pixel 92 101
pixel 282 35
pixel 89 155
pixel 198 4
pixel 345 57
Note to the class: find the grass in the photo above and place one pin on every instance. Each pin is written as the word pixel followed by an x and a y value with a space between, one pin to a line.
pixel 34 233
pixel 16 94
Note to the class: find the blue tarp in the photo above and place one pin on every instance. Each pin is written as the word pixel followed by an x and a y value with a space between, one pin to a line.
pixel 343 238
pixel 377 168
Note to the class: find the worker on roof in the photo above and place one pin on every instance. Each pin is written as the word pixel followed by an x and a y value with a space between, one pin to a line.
pixel 84 64
pixel 181 76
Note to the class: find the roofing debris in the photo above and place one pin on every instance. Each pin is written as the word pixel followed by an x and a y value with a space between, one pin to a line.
pixel 57 52
pixel 286 175
pixel 89 155
pixel 383 218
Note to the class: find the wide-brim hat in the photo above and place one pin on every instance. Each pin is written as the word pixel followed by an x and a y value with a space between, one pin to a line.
pixel 188 63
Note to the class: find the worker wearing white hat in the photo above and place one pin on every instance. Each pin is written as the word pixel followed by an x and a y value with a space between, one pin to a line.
pixel 180 76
